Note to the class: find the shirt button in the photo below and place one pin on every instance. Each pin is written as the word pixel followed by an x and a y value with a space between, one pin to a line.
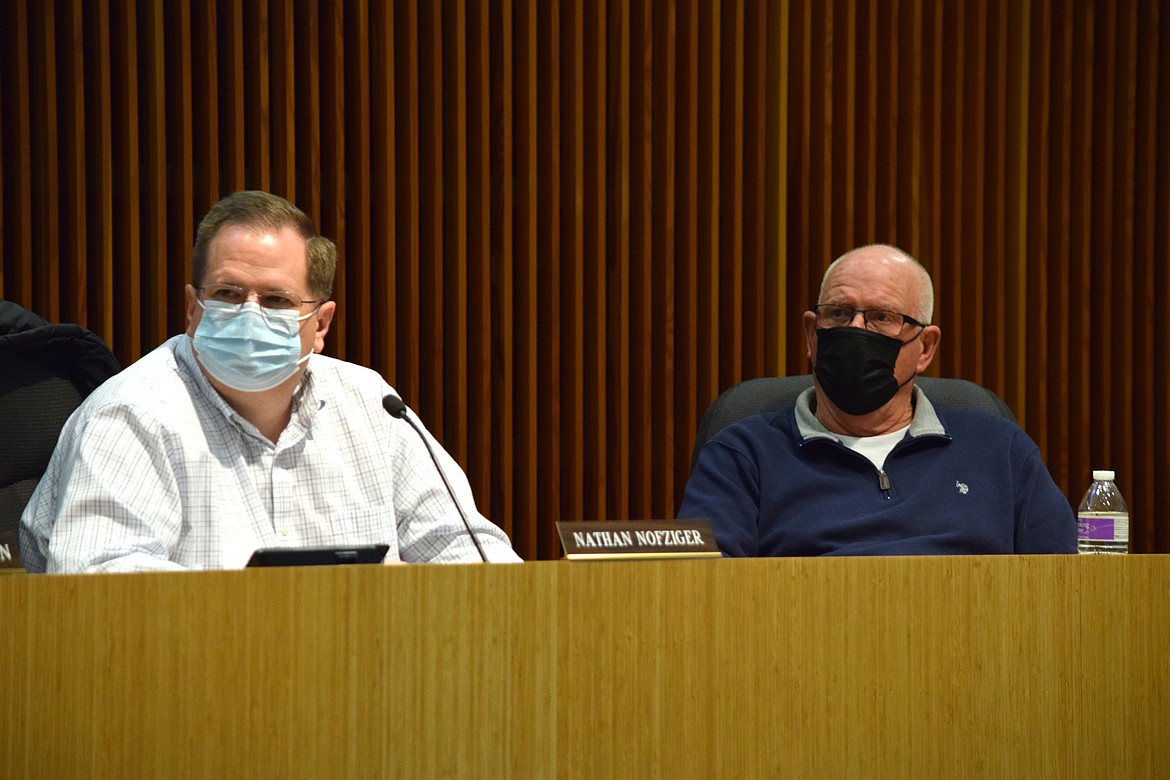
pixel 284 531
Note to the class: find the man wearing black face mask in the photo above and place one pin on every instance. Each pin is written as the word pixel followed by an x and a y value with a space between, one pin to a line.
pixel 864 464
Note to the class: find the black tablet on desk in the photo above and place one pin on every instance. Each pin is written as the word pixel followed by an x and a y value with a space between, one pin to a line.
pixel 318 556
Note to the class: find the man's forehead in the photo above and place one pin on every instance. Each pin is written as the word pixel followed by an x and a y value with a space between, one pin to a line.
pixel 260 250
pixel 265 235
pixel 878 265
pixel 871 279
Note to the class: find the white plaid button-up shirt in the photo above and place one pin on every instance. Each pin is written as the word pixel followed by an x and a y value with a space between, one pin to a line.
pixel 156 471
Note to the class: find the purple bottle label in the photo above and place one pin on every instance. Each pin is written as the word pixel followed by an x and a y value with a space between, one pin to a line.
pixel 1096 528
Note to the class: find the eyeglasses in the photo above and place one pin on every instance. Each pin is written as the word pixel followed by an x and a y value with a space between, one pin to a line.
pixel 883 321
pixel 270 300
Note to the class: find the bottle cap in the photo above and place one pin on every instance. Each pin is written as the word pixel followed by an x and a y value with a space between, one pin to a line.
pixel 1100 475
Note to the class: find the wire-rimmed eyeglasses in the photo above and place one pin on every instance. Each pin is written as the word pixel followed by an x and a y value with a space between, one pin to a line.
pixel 883 321
pixel 269 300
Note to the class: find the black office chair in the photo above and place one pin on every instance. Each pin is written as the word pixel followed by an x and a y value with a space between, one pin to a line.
pixel 46 371
pixel 754 396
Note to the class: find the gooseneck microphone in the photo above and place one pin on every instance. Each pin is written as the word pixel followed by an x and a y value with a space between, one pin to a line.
pixel 397 408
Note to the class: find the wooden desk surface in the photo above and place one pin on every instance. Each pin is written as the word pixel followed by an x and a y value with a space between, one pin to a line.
pixel 863 667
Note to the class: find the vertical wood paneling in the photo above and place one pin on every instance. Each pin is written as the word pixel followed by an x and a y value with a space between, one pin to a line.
pixel 341 158
pixel 206 97
pixel 45 191
pixel 282 99
pixel 1118 218
pixel 256 78
pixel 1040 182
pixel 504 431
pixel 708 110
pixel 774 82
pixel 99 227
pixel 549 431
pixel 16 270
pixel 750 160
pixel 480 331
pixel 570 255
pixel 1017 212
pixel 911 127
pixel 153 152
pixel 178 174
pixel 74 248
pixel 408 260
pixel 731 226
pixel 641 244
pixel 431 323
pixel 308 44
pixel 976 269
pixel 454 256
pixel 596 381
pixel 799 264
pixel 233 89
pixel 379 144
pixel 1078 343
pixel 618 249
pixel 127 339
pixel 1160 416
pixel 1152 278
pixel 565 227
pixel 661 262
pixel 928 129
pixel 688 310
pixel 527 406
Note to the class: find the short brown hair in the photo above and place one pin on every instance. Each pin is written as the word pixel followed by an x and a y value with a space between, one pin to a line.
pixel 254 208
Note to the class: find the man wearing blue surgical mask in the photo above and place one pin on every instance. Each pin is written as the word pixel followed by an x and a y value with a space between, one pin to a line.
pixel 864 463
pixel 258 312
pixel 240 435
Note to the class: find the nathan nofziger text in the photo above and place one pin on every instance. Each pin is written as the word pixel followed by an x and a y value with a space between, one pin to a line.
pixel 660 538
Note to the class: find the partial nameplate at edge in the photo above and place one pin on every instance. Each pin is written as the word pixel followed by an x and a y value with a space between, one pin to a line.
pixel 9 553
pixel 618 539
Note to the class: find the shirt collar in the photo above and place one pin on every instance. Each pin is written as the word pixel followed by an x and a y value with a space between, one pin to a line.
pixel 924 423
pixel 305 401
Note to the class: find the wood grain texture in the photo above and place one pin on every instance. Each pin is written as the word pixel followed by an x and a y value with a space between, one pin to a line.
pixel 890 667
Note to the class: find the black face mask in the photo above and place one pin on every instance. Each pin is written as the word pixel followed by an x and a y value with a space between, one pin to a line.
pixel 855 368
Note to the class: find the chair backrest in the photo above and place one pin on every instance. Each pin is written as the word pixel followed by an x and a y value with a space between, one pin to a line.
pixel 46 371
pixel 754 396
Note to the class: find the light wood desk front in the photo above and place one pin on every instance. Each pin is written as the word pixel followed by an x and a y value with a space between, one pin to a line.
pixel 870 667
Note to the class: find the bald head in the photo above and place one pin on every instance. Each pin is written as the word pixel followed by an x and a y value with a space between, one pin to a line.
pixel 884 266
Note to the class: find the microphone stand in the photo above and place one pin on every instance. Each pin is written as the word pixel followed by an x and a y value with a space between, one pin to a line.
pixel 396 407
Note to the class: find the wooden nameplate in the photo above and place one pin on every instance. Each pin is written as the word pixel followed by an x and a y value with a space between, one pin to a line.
pixel 612 539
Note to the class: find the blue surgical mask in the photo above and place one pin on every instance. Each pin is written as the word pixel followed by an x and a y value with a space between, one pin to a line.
pixel 248 349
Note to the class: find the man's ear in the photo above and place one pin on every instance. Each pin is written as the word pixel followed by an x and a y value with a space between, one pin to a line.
pixel 809 321
pixel 931 335
pixel 324 320
pixel 191 298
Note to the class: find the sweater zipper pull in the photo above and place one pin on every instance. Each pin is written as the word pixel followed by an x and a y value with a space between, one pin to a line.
pixel 884 482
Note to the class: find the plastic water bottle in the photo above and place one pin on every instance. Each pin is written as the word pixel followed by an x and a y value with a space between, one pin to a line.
pixel 1103 518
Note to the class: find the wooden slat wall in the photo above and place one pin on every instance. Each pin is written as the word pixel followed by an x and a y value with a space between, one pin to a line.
pixel 566 226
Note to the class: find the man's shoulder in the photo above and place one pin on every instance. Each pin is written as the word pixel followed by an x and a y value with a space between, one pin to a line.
pixel 345 381
pixel 981 430
pixel 977 419
pixel 760 430
pixel 335 369
pixel 151 381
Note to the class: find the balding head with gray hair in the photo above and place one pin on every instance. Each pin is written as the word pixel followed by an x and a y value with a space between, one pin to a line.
pixel 923 296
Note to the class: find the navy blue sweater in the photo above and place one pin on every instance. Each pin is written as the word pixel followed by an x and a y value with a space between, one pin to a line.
pixel 961 482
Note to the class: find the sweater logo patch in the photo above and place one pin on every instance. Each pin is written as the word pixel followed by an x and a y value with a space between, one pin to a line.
pixel 962 486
